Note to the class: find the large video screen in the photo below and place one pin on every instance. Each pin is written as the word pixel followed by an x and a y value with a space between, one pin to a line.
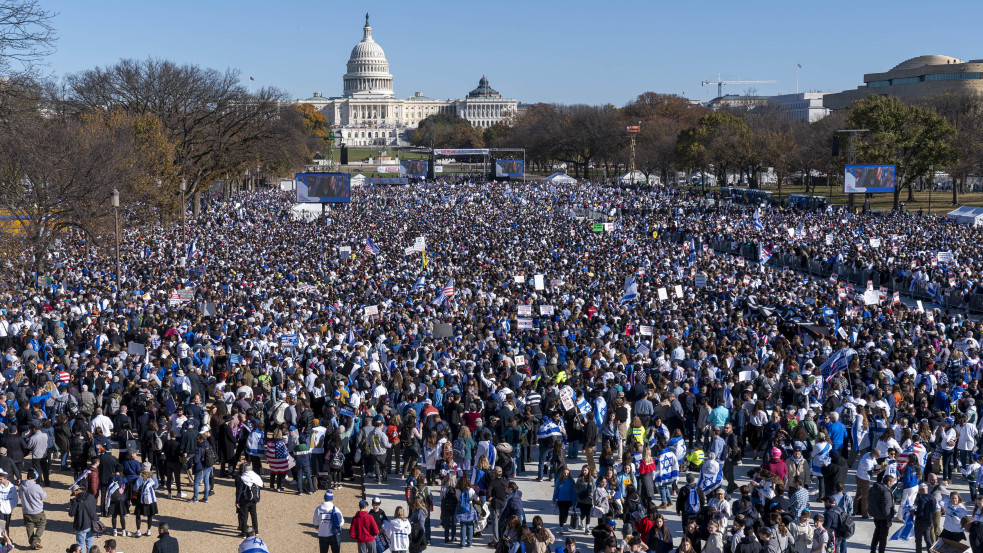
pixel 868 179
pixel 509 168
pixel 324 188
pixel 414 168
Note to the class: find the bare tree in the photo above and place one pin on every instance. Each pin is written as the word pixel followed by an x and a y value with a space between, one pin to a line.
pixel 216 126
pixel 57 175
pixel 26 35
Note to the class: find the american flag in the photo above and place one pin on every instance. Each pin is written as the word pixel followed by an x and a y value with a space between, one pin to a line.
pixel 64 377
pixel 445 295
pixel 370 247
pixel 448 289
pixel 278 458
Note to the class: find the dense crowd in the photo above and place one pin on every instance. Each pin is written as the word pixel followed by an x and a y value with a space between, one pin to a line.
pixel 456 335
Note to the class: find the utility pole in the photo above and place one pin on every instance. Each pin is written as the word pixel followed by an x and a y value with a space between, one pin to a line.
pixel 116 214
pixel 931 185
pixel 632 131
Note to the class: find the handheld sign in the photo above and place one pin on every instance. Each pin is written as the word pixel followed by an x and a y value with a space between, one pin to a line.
pixel 288 340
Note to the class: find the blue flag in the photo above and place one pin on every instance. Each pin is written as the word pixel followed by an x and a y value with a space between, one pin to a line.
pixel 631 290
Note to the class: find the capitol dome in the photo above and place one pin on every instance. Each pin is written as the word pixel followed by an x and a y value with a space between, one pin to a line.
pixel 368 70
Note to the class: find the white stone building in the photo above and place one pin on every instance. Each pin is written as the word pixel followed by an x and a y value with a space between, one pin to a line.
pixel 369 114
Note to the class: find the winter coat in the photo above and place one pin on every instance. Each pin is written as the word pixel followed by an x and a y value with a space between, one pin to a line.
pixel 880 502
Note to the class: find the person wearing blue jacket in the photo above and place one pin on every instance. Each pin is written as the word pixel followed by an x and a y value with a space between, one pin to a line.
pixel 564 496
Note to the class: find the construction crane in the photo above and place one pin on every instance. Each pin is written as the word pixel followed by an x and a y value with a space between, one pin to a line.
pixel 720 84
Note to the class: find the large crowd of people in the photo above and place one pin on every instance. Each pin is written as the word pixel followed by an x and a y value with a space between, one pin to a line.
pixel 456 335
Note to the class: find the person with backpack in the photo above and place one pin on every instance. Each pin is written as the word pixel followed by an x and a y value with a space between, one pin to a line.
pixel 201 464
pixel 118 506
pixel 248 486
pixel 465 514
pixel 329 522
pixel 690 499
pixel 835 523
pixel 145 487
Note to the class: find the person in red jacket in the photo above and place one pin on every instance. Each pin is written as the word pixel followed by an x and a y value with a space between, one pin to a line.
pixel 364 529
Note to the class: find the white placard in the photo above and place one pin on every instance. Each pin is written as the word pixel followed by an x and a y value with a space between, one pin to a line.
pixel 842 333
pixel 371 310
pixel 921 308
pixel 679 291
pixel 700 280
pixel 944 257
pixel 545 309
pixel 525 310
pixel 525 324
pixel 829 239
pixel 875 242
pixel 409 251
pixel 420 243
pixel 745 376
pixel 345 252
pixel 645 330
pixel 520 360
pixel 608 227
pixel 871 297
pixel 663 295
pixel 566 398
pixel 519 279
pixel 539 282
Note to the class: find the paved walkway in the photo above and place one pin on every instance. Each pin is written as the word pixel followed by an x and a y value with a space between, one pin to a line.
pixel 537 500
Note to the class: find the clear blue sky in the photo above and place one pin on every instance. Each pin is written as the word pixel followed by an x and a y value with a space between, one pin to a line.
pixel 571 51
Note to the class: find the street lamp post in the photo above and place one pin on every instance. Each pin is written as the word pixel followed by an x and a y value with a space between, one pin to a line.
pixel 184 211
pixel 116 215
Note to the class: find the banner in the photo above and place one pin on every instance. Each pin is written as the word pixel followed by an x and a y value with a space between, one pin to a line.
pixel 461 152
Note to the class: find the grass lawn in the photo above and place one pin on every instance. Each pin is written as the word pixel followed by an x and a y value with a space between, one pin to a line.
pixel 360 154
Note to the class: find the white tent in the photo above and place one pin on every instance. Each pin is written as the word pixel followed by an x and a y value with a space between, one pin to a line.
pixel 967 215
pixel 358 180
pixel 561 178
pixel 638 178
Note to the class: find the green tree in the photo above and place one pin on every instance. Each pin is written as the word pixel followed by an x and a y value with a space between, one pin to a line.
pixel 719 138
pixel 912 138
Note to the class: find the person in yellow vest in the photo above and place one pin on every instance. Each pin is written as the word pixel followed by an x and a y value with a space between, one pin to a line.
pixel 695 458
pixel 636 433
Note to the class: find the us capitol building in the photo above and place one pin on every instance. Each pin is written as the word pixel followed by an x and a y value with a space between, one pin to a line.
pixel 369 114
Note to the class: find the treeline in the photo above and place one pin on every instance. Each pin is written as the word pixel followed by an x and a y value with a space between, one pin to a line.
pixel 142 127
pixel 677 135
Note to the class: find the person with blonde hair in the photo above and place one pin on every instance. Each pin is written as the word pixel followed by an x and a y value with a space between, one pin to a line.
pixel 397 529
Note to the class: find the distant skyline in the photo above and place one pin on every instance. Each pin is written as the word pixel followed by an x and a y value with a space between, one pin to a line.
pixel 545 51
